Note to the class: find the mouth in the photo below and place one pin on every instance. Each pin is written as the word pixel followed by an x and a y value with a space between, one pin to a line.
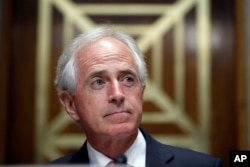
pixel 117 113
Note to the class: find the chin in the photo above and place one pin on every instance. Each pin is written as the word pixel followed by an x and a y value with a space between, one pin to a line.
pixel 123 130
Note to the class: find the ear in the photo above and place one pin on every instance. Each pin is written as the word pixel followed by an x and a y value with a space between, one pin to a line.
pixel 68 103
pixel 143 88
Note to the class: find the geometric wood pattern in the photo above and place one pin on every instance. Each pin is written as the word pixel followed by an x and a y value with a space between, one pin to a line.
pixel 158 29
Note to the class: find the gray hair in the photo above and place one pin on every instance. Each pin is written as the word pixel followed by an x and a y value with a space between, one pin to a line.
pixel 66 68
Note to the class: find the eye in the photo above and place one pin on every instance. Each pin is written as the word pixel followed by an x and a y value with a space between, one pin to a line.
pixel 128 80
pixel 97 84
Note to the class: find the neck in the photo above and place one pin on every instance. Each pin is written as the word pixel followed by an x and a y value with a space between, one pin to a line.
pixel 112 146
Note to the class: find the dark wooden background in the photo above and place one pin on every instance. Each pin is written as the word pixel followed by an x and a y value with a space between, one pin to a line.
pixel 17 79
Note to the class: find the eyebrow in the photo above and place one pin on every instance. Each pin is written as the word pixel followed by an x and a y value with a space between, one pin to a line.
pixel 129 71
pixel 104 72
pixel 97 73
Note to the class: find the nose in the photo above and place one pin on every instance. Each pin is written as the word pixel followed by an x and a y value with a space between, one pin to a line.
pixel 116 94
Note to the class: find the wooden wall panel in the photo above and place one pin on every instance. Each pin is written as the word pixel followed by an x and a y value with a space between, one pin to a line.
pixel 20 91
pixel 241 75
pixel 4 65
pixel 223 73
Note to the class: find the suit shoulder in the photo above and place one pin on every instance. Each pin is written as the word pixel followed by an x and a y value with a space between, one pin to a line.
pixel 63 160
pixel 176 156
pixel 193 158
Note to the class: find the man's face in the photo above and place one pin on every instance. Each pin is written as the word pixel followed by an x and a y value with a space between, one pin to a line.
pixel 109 95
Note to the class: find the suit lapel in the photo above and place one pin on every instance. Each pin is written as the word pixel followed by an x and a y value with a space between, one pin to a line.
pixel 81 157
pixel 156 153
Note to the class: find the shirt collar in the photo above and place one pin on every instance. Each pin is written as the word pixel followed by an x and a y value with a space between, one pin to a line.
pixel 136 154
pixel 96 158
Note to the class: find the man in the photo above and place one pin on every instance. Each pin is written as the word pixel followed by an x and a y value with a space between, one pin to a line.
pixel 100 81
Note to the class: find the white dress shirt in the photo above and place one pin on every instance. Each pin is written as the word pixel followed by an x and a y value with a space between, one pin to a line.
pixel 136 154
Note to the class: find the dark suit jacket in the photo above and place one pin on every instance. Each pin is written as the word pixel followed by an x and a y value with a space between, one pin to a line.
pixel 157 155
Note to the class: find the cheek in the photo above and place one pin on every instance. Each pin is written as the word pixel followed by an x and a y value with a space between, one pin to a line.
pixel 89 106
pixel 136 99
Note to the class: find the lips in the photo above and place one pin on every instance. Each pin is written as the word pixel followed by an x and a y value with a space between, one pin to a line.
pixel 117 112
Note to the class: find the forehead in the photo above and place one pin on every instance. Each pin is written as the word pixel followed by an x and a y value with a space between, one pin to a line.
pixel 104 51
pixel 101 46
